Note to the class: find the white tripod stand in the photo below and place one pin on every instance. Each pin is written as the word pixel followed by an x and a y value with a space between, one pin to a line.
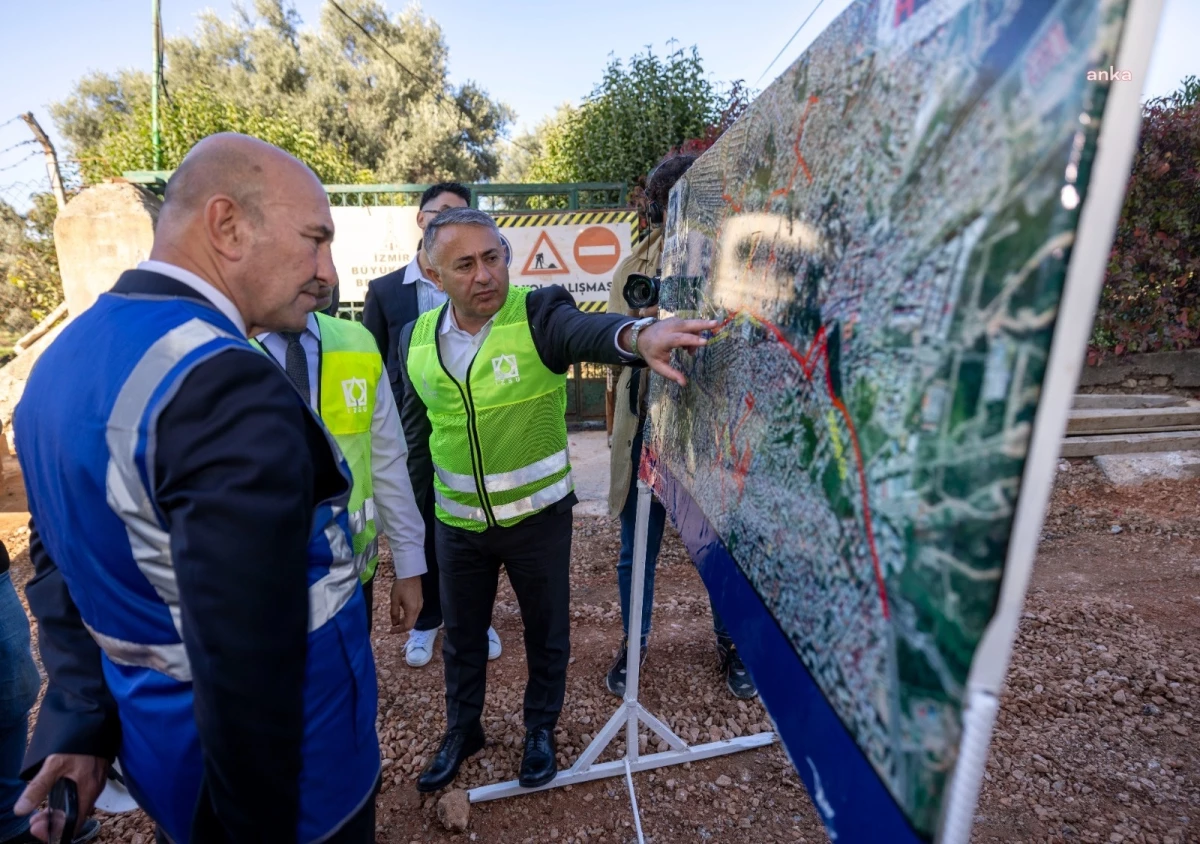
pixel 630 713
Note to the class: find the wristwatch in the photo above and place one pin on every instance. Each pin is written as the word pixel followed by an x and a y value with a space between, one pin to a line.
pixel 645 322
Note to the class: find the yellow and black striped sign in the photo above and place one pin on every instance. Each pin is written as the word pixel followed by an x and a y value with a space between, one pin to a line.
pixel 572 218
pixel 579 250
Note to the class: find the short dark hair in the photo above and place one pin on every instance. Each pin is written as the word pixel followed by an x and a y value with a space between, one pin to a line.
pixel 663 177
pixel 460 190
pixel 456 217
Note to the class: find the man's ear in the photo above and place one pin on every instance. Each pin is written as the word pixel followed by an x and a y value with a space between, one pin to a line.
pixel 435 276
pixel 227 228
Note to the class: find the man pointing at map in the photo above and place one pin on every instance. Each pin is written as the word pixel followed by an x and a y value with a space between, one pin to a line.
pixel 484 397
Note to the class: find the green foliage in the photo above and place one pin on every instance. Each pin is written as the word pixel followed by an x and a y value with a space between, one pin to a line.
pixel 30 287
pixel 331 96
pixel 1151 295
pixel 196 112
pixel 632 119
pixel 518 155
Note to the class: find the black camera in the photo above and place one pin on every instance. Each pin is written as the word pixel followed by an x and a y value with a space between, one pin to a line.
pixel 641 291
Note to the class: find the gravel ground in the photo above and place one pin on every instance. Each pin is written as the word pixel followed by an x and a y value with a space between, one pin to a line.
pixel 1096 740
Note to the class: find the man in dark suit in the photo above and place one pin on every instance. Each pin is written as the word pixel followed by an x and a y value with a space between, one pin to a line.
pixel 484 396
pixel 198 607
pixel 393 301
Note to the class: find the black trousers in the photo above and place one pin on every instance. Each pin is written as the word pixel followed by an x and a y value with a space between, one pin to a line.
pixel 536 553
pixel 369 599
pixel 430 617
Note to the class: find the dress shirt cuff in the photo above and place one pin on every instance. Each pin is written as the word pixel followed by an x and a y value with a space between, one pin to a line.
pixel 409 563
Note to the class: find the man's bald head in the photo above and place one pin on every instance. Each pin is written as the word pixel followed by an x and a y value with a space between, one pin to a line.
pixel 238 166
pixel 254 221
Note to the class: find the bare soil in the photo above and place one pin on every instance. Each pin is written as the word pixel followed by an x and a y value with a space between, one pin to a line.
pixel 1097 738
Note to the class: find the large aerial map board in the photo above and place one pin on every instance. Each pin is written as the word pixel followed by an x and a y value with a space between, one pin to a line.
pixel 886 238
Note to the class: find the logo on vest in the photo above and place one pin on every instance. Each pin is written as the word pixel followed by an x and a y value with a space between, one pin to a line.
pixel 355 392
pixel 505 369
pixel 428 388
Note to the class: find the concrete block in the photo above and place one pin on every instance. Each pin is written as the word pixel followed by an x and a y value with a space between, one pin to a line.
pixel 105 230
pixel 1135 469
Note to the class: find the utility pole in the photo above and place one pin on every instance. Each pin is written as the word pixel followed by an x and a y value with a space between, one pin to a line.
pixel 156 83
pixel 56 183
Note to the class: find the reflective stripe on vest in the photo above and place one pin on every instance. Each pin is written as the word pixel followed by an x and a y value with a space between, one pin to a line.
pixel 150 543
pixel 499 440
pixel 351 368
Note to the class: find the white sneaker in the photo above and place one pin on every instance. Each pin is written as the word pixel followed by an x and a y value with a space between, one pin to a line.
pixel 419 648
pixel 494 647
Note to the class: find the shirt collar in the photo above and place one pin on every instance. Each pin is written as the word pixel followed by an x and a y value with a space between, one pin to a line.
pixel 218 299
pixel 312 327
pixel 412 273
pixel 451 324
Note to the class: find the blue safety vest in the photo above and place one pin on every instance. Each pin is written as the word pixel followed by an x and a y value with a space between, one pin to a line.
pixel 86 439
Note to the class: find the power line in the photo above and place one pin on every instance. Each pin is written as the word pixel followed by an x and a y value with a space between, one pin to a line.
pixel 10 120
pixel 439 96
pixel 820 3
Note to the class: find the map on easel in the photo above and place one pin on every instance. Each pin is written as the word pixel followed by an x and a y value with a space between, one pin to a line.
pixel 883 240
pixel 544 259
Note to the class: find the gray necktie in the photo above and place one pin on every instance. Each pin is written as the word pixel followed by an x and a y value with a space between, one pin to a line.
pixel 296 362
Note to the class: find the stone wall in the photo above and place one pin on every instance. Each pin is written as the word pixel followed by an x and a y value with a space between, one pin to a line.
pixel 103 231
pixel 1176 373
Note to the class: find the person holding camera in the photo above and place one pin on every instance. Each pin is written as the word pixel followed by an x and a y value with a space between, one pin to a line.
pixel 629 420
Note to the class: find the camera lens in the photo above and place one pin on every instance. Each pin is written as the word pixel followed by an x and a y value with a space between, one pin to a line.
pixel 640 291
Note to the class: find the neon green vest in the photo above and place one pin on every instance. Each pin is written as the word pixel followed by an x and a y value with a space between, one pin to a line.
pixel 350 370
pixel 499 438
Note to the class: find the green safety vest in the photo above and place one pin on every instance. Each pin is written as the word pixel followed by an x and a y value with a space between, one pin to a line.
pixel 499 438
pixel 350 369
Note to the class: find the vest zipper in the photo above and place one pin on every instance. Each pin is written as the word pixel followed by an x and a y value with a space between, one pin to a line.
pixel 472 430
pixel 477 448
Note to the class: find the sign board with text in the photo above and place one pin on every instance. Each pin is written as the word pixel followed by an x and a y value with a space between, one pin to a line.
pixel 577 249
pixel 371 241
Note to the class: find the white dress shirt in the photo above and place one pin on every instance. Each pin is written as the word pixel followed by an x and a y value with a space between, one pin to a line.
pixel 397 514
pixel 459 347
pixel 219 300
pixel 428 295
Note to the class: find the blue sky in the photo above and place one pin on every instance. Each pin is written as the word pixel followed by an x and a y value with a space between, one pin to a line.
pixel 532 54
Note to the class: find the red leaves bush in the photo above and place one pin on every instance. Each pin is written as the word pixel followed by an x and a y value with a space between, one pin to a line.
pixel 1151 296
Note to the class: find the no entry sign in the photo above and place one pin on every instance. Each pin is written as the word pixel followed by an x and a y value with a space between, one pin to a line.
pixel 597 250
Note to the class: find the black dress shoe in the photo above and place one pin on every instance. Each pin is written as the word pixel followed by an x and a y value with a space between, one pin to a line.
pixel 539 764
pixel 456 747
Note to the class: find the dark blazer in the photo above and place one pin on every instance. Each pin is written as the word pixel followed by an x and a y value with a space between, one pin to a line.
pixel 389 306
pixel 240 463
pixel 562 334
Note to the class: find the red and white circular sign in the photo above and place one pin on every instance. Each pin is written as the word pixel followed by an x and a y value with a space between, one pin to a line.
pixel 597 250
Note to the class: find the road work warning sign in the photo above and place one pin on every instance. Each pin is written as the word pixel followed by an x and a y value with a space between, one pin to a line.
pixel 577 249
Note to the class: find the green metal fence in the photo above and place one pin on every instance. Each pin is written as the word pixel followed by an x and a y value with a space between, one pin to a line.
pixel 489 196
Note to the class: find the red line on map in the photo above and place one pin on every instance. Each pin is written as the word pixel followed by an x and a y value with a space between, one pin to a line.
pixel 741 463
pixel 800 162
pixel 808 363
